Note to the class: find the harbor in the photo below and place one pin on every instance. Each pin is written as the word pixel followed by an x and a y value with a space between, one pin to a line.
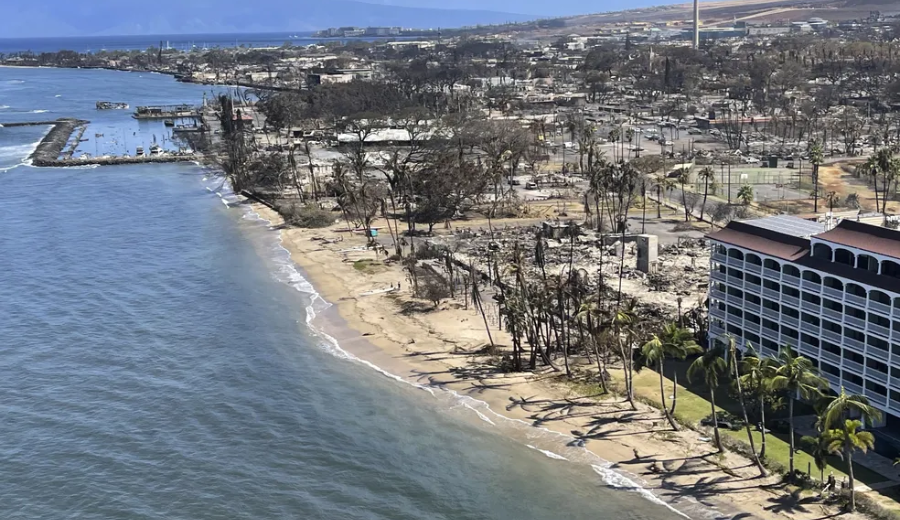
pixel 58 147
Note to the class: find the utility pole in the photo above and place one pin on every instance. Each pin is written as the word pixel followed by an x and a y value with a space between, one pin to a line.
pixel 696 24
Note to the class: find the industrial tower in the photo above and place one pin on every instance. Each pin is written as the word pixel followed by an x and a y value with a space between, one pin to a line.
pixel 696 24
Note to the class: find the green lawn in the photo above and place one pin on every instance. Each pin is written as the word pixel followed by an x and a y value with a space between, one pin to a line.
pixel 691 408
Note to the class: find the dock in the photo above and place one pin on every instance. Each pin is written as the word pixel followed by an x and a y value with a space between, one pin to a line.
pixel 112 161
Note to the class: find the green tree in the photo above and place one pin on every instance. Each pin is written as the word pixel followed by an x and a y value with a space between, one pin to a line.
pixel 845 405
pixel 709 367
pixel 843 442
pixel 795 375
pixel 745 194
pixel 673 342
pixel 817 447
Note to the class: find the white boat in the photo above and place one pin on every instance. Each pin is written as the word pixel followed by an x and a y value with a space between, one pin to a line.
pixel 139 152
pixel 156 150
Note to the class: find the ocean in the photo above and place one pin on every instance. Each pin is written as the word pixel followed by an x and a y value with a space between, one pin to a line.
pixel 184 42
pixel 158 360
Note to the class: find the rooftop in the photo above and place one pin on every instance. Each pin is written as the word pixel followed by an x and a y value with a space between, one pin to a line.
pixel 874 239
pixel 789 225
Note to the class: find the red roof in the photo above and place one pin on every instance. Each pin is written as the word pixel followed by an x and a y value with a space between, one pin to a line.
pixel 868 237
pixel 761 240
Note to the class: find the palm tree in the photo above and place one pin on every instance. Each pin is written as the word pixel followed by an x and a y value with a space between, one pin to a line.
pixel 710 366
pixel 735 369
pixel 816 158
pixel 684 176
pixel 706 174
pixel 675 342
pixel 622 320
pixel 661 183
pixel 817 447
pixel 844 405
pixel 745 194
pixel 756 372
pixel 795 375
pixel 843 441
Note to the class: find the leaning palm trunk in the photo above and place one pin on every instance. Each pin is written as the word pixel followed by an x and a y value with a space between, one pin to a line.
pixel 662 396
pixel 712 403
pixel 674 392
pixel 762 418
pixel 848 450
pixel 791 433
pixel 756 459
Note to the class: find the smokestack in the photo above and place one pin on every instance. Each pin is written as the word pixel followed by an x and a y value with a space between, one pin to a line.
pixel 696 24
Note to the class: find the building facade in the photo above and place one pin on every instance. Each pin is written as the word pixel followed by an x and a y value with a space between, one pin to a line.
pixel 833 295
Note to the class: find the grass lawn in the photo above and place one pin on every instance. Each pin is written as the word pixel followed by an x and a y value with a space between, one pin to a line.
pixel 691 408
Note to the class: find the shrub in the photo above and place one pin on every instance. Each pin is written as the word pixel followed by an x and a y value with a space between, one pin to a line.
pixel 305 215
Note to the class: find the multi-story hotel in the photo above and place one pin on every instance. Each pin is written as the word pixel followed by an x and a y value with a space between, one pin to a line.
pixel 832 294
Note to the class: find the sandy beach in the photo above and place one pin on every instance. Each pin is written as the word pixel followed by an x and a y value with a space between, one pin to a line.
pixel 441 348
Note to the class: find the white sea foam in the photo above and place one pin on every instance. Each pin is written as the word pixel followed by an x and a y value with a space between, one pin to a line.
pixel 292 276
pixel 4 107
pixel 39 111
pixel 619 481
pixel 548 453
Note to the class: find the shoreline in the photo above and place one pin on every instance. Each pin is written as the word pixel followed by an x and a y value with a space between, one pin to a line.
pixel 437 350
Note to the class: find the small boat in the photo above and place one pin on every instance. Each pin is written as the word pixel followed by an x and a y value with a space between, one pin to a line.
pixel 139 152
pixel 169 122
pixel 156 150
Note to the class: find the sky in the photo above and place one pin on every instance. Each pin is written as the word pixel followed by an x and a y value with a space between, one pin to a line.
pixel 42 18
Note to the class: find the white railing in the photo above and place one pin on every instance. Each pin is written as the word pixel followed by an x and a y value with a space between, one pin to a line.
pixel 717 294
pixel 881 331
pixel 852 388
pixel 734 262
pixel 855 345
pixel 751 307
pixel 855 322
pixel 877 353
pixel 788 320
pixel 855 300
pixel 880 308
pixel 718 275
pixel 833 314
pixel 811 308
pixel 833 293
pixel 771 294
pixel 853 366
pixel 719 257
pixel 832 336
pixel 790 280
pixel 791 301
pixel 753 268
pixel 735 281
pixel 812 286
pixel 831 357
pixel 876 398
pixel 751 287
pixel 772 314
pixel 771 274
pixel 810 328
pixel 877 376
pixel 769 333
